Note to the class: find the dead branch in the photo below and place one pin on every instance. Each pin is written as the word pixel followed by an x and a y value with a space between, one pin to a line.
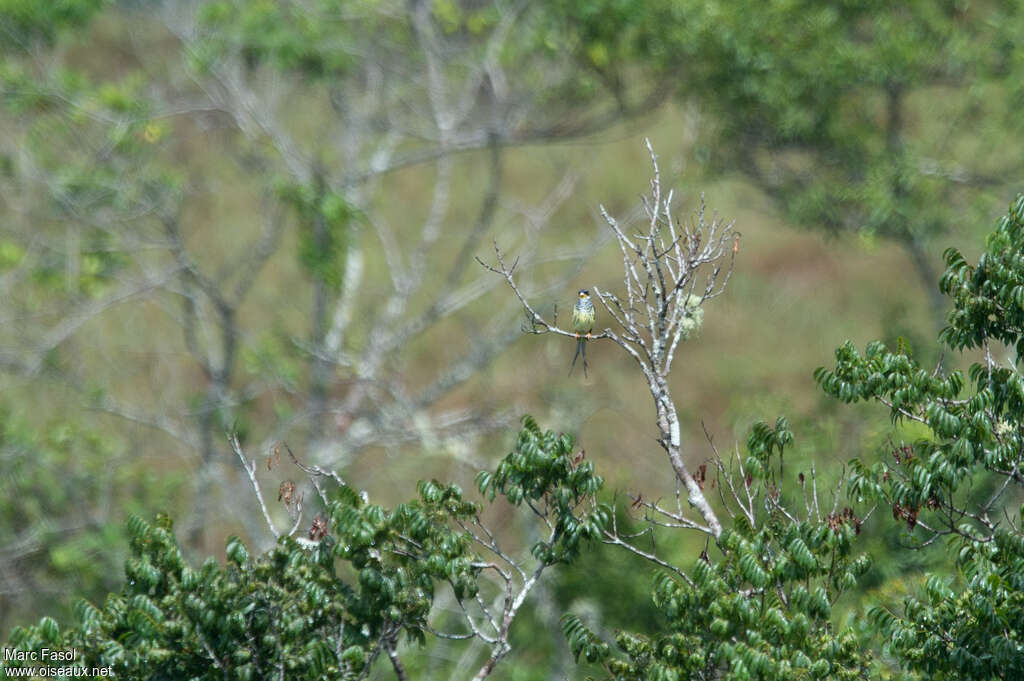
pixel 669 271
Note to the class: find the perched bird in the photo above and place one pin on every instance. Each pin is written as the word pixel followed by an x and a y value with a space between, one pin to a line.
pixel 582 323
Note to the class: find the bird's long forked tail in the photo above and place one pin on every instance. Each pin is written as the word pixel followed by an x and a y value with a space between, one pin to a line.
pixel 581 349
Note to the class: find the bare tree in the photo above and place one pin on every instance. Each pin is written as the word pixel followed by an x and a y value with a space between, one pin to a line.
pixel 411 95
pixel 664 288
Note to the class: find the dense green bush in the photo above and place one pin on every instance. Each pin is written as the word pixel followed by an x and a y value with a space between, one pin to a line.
pixel 330 605
pixel 961 478
pixel 760 607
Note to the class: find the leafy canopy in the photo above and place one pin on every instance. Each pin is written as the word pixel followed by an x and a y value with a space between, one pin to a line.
pixel 318 609
pixel 959 481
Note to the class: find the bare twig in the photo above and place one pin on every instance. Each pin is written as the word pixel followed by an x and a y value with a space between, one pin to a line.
pixel 250 470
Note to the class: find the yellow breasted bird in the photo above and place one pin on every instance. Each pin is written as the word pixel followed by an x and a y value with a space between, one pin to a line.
pixel 583 315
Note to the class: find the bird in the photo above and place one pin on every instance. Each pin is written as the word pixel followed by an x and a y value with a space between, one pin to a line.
pixel 583 315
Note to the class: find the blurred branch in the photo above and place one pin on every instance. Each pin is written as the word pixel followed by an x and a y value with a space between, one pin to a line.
pixel 420 99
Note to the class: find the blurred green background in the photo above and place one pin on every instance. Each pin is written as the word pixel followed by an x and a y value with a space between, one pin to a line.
pixel 263 216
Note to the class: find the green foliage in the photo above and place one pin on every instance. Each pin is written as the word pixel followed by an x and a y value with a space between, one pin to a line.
pixel 400 554
pixel 954 482
pixel 239 621
pixel 68 467
pixel 326 223
pixel 989 298
pixel 291 37
pixel 762 610
pixel 543 473
pixel 289 609
pixel 95 141
pixel 26 21
pixel 973 629
pixel 315 609
pixel 274 355
pixel 887 119
pixel 764 441
pixel 330 41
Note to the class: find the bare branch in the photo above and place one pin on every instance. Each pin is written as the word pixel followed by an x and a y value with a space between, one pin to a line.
pixel 250 470
pixel 661 306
